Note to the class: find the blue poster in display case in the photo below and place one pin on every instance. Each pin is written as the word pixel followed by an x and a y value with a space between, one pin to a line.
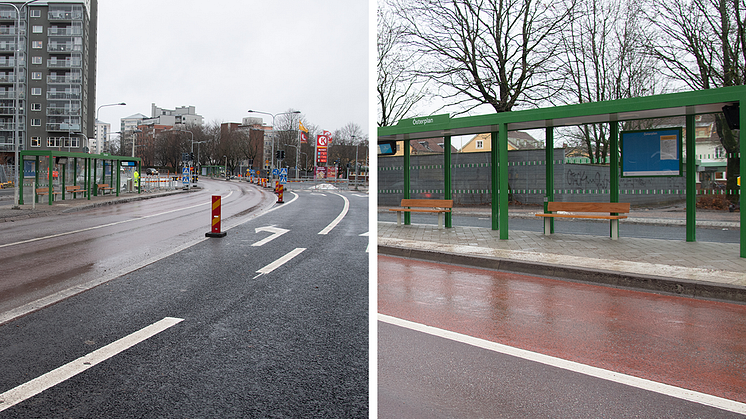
pixel 651 153
pixel 29 169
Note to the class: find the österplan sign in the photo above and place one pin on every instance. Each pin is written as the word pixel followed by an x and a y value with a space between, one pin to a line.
pixel 425 120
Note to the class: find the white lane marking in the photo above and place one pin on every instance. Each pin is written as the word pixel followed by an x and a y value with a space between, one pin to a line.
pixel 106 225
pixel 367 248
pixel 279 262
pixel 665 389
pixel 276 207
pixel 339 218
pixel 71 369
pixel 276 232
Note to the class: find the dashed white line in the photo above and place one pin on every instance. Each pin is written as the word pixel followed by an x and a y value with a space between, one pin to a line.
pixel 669 390
pixel 71 369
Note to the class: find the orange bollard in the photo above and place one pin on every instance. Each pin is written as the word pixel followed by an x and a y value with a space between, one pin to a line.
pixel 215 231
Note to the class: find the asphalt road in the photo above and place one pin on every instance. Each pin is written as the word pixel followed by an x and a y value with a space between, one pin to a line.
pixel 269 321
pixel 46 255
pixel 594 228
pixel 463 342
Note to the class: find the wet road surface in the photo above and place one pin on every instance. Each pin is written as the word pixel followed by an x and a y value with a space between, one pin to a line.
pixel 691 344
pixel 43 256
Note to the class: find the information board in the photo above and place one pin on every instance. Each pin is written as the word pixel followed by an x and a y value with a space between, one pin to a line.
pixel 651 153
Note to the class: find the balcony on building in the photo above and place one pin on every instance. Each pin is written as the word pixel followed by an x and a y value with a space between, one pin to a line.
pixel 74 61
pixel 65 12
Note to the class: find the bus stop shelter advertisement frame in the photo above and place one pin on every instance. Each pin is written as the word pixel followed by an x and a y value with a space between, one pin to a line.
pixel 91 176
pixel 684 104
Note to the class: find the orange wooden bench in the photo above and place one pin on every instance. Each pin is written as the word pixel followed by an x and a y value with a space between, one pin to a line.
pixel 590 210
pixel 438 206
pixel 45 191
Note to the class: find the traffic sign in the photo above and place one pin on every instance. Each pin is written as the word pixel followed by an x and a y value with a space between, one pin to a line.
pixel 275 171
pixel 185 175
pixel 284 171
pixel 283 179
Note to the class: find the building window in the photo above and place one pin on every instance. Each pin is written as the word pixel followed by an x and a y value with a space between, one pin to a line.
pixel 36 107
pixel 35 122
pixel 480 144
pixel 36 60
pixel 38 29
pixel 54 142
pixel 35 12
pixel 35 141
pixel 73 142
pixel 36 75
pixel 37 44
pixel 36 91
pixel 719 152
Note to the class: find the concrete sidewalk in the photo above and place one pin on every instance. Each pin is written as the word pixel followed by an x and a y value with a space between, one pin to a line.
pixel 698 269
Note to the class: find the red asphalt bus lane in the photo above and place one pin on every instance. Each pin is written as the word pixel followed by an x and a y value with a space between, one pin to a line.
pixel 693 344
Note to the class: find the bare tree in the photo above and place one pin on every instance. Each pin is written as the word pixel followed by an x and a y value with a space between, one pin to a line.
pixel 398 89
pixel 703 45
pixel 486 52
pixel 605 59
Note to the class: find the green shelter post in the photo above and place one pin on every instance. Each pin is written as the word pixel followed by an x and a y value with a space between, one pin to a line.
pixel 448 191
pixel 495 175
pixel 614 170
pixel 407 181
pixel 691 180
pixel 549 157
pixel 742 156
pixel 503 180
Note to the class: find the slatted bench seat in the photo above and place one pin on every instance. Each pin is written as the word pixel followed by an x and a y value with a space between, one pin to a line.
pixel 104 187
pixel 45 191
pixel 589 210
pixel 74 189
pixel 438 206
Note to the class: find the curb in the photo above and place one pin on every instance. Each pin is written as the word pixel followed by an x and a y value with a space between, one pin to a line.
pixel 680 287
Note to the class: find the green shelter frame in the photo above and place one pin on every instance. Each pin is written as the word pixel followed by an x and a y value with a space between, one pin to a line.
pixel 91 175
pixel 684 104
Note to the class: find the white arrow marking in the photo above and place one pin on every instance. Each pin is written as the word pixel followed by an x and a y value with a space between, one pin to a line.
pixel 276 232
pixel 279 262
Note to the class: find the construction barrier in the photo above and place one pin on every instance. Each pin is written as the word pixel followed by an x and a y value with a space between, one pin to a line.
pixel 215 231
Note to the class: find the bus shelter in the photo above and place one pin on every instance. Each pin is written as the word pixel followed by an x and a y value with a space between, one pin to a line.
pixel 686 104
pixel 69 175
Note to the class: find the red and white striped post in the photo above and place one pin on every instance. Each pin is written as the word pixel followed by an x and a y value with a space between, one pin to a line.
pixel 280 192
pixel 215 231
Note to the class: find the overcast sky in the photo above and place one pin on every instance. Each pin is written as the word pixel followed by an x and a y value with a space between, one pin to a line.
pixel 228 56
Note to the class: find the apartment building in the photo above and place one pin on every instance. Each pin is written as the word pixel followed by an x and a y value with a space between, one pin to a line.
pixel 54 78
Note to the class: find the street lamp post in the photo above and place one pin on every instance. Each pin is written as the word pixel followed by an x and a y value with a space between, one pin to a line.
pixel 297 152
pixel 272 166
pixel 98 147
pixel 17 88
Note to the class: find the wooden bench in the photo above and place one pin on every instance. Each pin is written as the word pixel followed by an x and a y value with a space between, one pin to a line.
pixel 589 210
pixel 74 189
pixel 439 206
pixel 45 191
pixel 104 187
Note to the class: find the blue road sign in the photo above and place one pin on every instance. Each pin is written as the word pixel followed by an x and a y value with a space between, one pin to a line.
pixel 283 179
pixel 284 171
pixel 185 176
